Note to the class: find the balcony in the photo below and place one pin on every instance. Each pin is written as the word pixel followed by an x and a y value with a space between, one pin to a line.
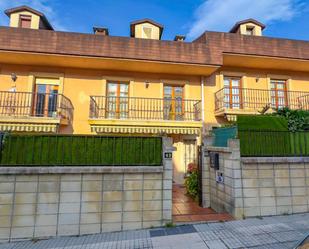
pixel 27 111
pixel 144 115
pixel 231 101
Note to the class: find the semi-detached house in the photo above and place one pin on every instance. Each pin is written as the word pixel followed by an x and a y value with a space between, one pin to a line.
pixel 74 83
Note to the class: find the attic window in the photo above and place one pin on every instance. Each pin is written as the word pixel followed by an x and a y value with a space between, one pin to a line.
pixel 147 32
pixel 25 21
pixel 249 30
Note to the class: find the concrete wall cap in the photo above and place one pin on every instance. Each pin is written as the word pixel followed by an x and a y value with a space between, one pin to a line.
pixel 219 149
pixel 80 170
pixel 267 160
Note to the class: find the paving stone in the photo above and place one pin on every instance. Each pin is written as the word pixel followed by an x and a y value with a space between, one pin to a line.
pixel 206 236
pixel 271 246
pixel 157 233
pixel 287 236
pixel 187 229
pixel 265 239
pixel 215 244
pixel 250 241
pixel 232 243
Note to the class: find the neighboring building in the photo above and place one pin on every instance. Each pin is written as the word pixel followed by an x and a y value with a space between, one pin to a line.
pixel 73 83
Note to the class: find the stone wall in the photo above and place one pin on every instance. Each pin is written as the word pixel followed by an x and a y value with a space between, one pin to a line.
pixel 275 186
pixel 223 197
pixel 38 202
pixel 256 186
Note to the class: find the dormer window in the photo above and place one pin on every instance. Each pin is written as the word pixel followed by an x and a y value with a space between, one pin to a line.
pixel 146 29
pixel 248 27
pixel 25 21
pixel 147 32
pixel 249 30
pixel 26 17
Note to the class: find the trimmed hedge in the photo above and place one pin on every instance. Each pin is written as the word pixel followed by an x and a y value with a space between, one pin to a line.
pixel 61 150
pixel 274 143
pixel 262 122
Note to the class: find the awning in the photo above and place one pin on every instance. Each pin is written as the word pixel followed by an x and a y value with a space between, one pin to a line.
pixel 22 127
pixel 145 130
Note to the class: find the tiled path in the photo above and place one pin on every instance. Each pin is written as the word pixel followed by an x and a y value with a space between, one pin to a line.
pixel 186 210
pixel 281 232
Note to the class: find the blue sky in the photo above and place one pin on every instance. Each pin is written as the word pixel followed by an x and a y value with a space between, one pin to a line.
pixel 284 18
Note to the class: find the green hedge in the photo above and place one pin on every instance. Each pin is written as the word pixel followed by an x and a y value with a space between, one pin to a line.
pixel 274 143
pixel 60 150
pixel 262 122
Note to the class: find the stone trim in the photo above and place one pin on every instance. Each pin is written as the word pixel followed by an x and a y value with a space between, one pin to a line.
pixel 81 170
pixel 219 149
pixel 267 160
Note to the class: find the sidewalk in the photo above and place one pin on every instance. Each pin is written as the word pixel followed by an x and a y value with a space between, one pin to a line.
pixel 281 232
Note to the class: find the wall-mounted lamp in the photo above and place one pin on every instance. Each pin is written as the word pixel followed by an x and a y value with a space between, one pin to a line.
pixel 146 84
pixel 13 77
pixel 257 79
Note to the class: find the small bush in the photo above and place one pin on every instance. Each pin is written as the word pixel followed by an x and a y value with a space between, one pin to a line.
pixel 191 182
pixel 298 120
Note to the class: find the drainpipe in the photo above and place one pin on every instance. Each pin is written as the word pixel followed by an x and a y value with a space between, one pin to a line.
pixel 203 101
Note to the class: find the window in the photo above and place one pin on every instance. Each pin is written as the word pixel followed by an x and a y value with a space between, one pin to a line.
pixel 173 103
pixel 25 21
pixel 249 30
pixel 46 98
pixel 232 93
pixel 278 93
pixel 147 32
pixel 117 100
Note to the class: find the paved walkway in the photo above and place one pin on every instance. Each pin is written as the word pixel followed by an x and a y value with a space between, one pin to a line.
pixel 187 210
pixel 281 232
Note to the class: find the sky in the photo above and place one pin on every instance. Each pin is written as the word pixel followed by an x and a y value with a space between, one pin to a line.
pixel 283 18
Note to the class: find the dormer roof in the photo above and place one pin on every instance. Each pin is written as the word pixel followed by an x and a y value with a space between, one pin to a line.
pixel 8 12
pixel 145 20
pixel 250 20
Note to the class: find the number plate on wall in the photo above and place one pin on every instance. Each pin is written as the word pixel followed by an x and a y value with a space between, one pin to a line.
pixel 168 155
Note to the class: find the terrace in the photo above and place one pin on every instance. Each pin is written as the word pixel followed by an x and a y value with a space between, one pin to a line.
pixel 30 111
pixel 163 115
pixel 235 100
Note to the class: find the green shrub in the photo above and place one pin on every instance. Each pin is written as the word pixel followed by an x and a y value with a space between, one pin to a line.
pixel 297 120
pixel 262 122
pixel 191 184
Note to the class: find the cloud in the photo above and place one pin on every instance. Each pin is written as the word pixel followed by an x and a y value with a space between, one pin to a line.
pixel 221 15
pixel 43 6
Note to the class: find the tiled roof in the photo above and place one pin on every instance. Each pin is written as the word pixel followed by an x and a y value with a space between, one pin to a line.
pixel 206 50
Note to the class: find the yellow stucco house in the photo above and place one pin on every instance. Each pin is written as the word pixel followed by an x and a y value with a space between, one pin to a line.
pixel 72 83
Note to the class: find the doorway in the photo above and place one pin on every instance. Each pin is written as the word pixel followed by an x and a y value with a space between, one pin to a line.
pixel 185 208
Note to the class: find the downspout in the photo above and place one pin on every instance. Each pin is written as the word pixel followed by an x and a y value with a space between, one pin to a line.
pixel 203 104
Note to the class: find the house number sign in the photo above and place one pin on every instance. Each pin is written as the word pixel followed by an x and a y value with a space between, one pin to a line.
pixel 168 155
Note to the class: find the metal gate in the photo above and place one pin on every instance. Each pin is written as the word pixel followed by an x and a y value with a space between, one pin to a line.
pixel 200 176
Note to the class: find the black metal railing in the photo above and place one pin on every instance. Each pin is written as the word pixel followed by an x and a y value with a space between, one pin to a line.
pixel 257 99
pixel 76 150
pixel 273 143
pixel 28 104
pixel 135 108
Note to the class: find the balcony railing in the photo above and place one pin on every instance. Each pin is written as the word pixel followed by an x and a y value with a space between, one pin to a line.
pixel 258 99
pixel 27 104
pixel 134 108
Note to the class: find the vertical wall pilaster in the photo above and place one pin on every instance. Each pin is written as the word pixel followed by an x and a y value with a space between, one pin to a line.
pixel 167 181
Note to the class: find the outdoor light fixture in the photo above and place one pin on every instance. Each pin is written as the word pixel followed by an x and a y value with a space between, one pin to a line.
pixel 257 79
pixel 146 84
pixel 13 77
